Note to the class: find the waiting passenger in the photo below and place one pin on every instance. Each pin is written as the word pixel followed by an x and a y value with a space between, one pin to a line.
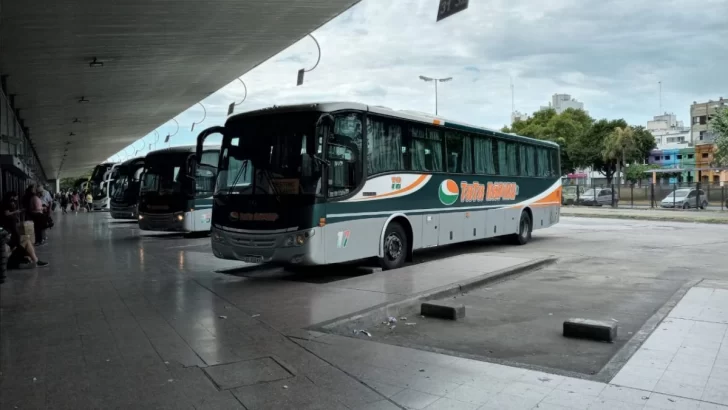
pixel 21 252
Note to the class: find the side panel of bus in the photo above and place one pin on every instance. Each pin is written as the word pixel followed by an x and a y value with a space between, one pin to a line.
pixel 439 209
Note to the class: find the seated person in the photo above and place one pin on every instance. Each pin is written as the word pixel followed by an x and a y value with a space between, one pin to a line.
pixel 21 255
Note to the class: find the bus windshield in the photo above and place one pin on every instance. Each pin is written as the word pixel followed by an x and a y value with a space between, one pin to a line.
pixel 120 182
pixel 282 154
pixel 163 174
pixel 277 149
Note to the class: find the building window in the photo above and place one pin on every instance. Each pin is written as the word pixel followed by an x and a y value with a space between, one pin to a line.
pixel 679 156
pixel 705 155
pixel 667 157
pixel 702 134
pixel 691 156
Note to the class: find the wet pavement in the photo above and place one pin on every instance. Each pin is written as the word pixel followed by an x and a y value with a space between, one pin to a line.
pixel 123 319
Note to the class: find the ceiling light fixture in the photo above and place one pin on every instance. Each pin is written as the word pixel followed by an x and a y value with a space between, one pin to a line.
pixel 83 99
pixel 95 63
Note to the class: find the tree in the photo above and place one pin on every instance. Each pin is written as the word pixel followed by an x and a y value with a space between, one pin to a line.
pixel 588 150
pixel 636 172
pixel 69 182
pixel 564 129
pixel 719 125
pixel 645 142
pixel 620 145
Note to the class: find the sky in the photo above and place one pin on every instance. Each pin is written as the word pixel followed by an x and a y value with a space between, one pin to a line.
pixel 610 55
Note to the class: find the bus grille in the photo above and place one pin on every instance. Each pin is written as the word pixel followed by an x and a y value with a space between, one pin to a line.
pixel 254 242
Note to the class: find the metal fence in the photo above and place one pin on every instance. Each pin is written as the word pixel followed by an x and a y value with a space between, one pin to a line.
pixel 700 196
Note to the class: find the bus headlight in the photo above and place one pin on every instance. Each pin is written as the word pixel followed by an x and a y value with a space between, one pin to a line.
pixel 298 239
pixel 216 236
pixel 141 217
pixel 180 216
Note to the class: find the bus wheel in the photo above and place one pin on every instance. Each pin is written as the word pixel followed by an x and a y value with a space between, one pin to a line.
pixel 524 230
pixel 394 246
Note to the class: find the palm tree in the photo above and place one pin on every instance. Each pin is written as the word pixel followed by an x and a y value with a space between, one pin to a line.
pixel 620 145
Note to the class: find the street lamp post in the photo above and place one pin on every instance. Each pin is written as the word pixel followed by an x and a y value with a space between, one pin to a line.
pixel 435 80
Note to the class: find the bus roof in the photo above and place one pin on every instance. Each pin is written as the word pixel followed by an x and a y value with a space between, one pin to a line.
pixel 181 149
pixel 401 114
pixel 131 161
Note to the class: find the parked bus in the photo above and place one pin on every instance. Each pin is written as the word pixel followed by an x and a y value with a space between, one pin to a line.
pixel 337 182
pixel 176 191
pixel 100 185
pixel 125 190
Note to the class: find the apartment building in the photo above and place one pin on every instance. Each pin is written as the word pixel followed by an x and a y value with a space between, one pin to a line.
pixel 700 116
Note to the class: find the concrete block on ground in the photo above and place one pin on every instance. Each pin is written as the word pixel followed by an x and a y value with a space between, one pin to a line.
pixel 442 311
pixel 601 330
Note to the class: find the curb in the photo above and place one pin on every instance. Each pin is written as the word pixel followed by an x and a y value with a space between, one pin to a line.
pixel 375 315
pixel 714 221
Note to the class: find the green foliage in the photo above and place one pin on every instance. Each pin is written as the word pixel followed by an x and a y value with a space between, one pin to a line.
pixel 563 129
pixel 589 148
pixel 719 126
pixel 584 141
pixel 638 172
pixel 70 182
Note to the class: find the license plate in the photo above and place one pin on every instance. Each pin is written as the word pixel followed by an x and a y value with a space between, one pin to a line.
pixel 252 259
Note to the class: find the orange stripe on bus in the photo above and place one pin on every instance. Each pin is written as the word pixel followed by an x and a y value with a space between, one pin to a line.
pixel 408 188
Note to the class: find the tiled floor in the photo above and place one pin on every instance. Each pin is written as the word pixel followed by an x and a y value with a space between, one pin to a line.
pixel 130 321
pixel 682 365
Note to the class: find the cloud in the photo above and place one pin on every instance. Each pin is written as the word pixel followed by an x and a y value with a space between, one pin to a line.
pixel 609 55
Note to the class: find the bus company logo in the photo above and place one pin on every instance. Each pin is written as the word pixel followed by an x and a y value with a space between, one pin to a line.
pixel 247 217
pixel 396 182
pixel 501 191
pixel 449 192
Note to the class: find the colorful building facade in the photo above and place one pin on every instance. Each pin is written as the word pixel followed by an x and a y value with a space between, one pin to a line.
pixel 691 164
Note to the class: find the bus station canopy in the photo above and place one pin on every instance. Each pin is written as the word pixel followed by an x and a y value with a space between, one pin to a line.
pixel 154 59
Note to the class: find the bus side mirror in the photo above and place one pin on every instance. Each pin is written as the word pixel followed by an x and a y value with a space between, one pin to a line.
pixel 203 136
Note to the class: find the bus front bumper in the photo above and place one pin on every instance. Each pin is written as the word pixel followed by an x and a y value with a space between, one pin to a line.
pixel 124 212
pixel 302 247
pixel 171 222
pixel 100 204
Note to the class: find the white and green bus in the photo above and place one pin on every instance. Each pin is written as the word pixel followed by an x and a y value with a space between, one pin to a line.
pixel 336 182
pixel 176 190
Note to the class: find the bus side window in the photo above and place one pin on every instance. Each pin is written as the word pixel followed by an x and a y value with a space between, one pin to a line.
pixel 459 152
pixel 384 146
pixel 555 162
pixel 542 162
pixel 425 149
pixel 485 156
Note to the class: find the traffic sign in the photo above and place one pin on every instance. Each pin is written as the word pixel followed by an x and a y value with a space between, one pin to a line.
pixel 449 7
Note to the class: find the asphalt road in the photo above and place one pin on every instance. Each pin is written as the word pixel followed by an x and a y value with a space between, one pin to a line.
pixel 621 270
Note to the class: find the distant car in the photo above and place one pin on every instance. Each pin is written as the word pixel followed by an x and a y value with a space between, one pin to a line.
pixel 685 198
pixel 598 197
pixel 569 194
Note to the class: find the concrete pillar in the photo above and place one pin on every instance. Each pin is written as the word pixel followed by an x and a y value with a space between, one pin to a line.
pixel 54 185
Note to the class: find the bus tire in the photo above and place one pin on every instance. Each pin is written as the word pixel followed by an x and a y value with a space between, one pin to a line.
pixel 394 247
pixel 524 230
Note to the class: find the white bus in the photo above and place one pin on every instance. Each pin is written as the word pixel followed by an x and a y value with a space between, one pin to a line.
pixel 337 182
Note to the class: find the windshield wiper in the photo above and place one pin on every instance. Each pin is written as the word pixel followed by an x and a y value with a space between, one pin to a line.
pixel 272 184
pixel 237 177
